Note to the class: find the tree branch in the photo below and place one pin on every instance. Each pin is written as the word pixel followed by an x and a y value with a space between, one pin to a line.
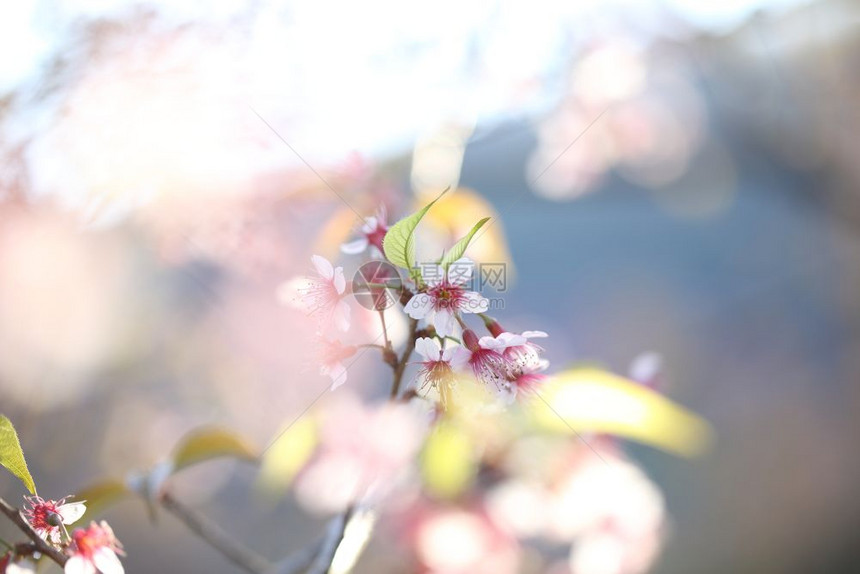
pixel 43 547
pixel 244 558
pixel 400 367
pixel 332 540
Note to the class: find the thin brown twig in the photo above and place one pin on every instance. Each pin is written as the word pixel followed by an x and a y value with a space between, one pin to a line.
pixel 243 557
pixel 43 547
pixel 400 367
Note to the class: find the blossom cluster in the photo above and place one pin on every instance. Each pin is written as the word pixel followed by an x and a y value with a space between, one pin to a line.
pixel 438 298
pixel 89 550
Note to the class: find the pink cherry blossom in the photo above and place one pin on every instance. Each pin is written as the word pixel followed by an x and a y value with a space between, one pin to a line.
pixel 439 364
pixel 46 516
pixel 372 233
pixel 517 348
pixel 331 361
pixel 488 363
pixel 445 296
pixel 323 296
pixel 94 550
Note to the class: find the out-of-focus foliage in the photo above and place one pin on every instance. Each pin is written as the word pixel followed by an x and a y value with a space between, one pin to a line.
pixel 206 444
pixel 595 400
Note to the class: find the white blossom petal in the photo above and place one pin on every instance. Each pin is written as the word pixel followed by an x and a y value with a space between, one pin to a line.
pixel 107 562
pixel 534 334
pixel 457 356
pixel 355 246
pixel 428 348
pixel 460 271
pixel 432 275
pixel 71 512
pixel 79 565
pixel 419 306
pixel 511 340
pixel 323 266
pixel 473 302
pixel 445 322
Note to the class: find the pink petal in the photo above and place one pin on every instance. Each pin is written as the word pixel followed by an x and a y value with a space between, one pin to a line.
pixel 341 315
pixel 323 266
pixel 338 373
pixel 339 281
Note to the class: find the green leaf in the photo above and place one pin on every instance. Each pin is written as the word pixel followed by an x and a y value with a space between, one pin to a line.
pixel 11 455
pixel 459 248
pixel 208 443
pixel 399 242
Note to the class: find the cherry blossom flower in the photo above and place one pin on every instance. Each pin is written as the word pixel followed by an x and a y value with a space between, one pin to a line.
pixel 527 379
pixel 488 363
pixel 94 549
pixel 331 361
pixel 446 296
pixel 47 516
pixel 323 296
pixel 439 364
pixel 516 348
pixel 372 233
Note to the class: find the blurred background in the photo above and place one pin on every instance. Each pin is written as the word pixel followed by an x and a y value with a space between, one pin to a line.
pixel 671 176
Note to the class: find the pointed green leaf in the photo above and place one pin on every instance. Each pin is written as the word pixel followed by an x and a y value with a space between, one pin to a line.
pixel 208 443
pixel 11 455
pixel 459 248
pixel 399 242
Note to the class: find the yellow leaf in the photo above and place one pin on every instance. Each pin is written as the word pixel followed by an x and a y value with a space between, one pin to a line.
pixel 289 453
pixel 448 463
pixel 594 400
pixel 208 443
